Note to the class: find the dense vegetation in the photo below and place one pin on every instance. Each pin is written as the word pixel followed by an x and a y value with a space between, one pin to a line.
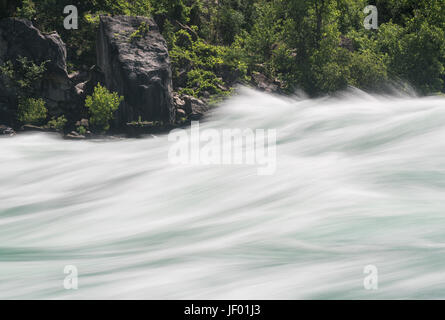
pixel 319 46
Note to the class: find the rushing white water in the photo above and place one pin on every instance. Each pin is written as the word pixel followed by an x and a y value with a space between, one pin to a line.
pixel 360 180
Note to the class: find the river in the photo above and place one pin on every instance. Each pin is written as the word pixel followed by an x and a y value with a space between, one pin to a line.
pixel 359 181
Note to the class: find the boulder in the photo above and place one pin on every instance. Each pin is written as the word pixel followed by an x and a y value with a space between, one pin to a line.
pixel 133 56
pixel 261 82
pixel 180 114
pixel 189 106
pixel 6 131
pixel 19 38
pixel 177 101
pixel 73 135
pixel 30 127
pixel 195 108
pixel 79 76
pixel 84 123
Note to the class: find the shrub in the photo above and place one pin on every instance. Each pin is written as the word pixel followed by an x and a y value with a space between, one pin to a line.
pixel 183 39
pixel 23 75
pixel 81 130
pixel 200 67
pixel 200 81
pixel 368 70
pixel 31 111
pixel 27 11
pixel 57 124
pixel 102 105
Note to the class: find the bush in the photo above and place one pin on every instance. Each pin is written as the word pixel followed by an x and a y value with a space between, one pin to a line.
pixel 183 39
pixel 27 11
pixel 419 57
pixel 368 70
pixel 81 130
pixel 200 67
pixel 102 105
pixel 57 124
pixel 23 75
pixel 31 111
pixel 203 81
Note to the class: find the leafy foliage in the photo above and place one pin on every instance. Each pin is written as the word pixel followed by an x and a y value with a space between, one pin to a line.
pixel 102 105
pixel 57 123
pixel 319 46
pixel 27 11
pixel 31 111
pixel 23 74
pixel 81 130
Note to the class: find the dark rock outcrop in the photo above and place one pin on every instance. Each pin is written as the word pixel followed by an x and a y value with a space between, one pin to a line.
pixel 189 107
pixel 261 82
pixel 195 108
pixel 6 131
pixel 132 60
pixel 136 64
pixel 33 128
pixel 19 38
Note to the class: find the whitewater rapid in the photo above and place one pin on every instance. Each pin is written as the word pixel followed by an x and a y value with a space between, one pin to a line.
pixel 359 180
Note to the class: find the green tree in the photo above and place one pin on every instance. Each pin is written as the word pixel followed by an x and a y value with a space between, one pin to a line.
pixel 299 42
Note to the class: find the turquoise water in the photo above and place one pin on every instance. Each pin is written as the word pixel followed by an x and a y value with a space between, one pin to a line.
pixel 360 180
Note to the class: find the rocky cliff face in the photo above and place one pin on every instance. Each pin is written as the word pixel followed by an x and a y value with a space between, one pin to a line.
pixel 134 58
pixel 19 38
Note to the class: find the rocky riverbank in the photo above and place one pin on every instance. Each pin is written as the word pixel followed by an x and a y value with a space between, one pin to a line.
pixel 132 60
